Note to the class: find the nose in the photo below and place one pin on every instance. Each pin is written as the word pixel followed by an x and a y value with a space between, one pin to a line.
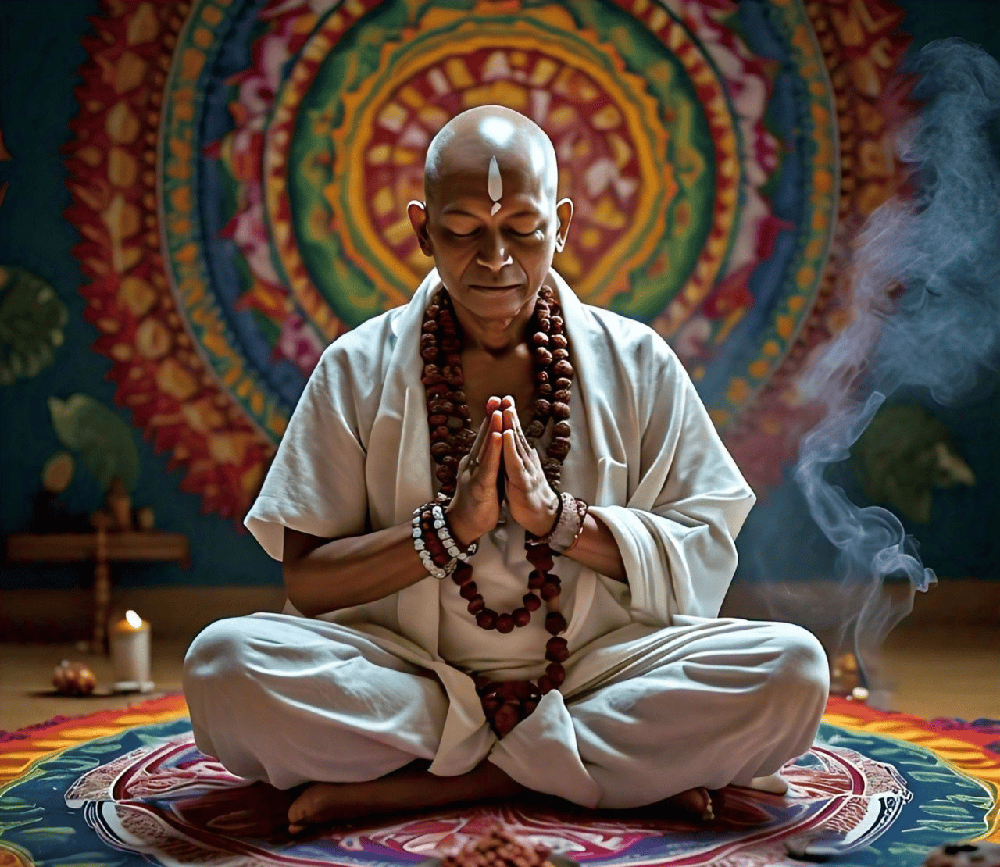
pixel 493 252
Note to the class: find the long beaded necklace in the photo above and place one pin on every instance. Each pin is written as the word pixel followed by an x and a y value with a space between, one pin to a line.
pixel 505 703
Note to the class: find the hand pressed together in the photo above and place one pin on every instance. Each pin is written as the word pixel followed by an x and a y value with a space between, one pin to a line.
pixel 501 459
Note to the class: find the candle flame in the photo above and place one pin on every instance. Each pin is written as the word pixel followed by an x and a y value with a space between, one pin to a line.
pixel 134 620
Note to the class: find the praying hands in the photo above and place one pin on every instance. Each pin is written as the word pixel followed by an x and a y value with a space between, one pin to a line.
pixel 501 459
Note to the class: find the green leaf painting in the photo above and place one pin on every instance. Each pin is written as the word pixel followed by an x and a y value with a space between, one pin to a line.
pixel 102 440
pixel 32 319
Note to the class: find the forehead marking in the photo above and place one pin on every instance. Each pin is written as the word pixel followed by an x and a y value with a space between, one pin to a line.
pixel 494 185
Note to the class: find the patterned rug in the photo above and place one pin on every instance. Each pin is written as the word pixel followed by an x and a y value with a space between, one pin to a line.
pixel 128 787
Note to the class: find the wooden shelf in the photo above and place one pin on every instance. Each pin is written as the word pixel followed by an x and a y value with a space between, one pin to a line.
pixel 103 547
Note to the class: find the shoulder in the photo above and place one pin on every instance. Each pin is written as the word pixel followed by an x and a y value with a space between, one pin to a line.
pixel 362 353
pixel 628 341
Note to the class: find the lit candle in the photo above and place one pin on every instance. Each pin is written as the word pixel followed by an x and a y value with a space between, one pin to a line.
pixel 130 654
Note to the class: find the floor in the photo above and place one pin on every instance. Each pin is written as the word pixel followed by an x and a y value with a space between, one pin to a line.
pixel 927 672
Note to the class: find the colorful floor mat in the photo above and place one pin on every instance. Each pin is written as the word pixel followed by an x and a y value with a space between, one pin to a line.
pixel 124 788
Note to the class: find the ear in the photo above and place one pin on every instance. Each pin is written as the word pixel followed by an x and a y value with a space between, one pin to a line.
pixel 417 212
pixel 564 213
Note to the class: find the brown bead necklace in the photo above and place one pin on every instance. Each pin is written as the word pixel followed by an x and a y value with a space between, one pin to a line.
pixel 505 703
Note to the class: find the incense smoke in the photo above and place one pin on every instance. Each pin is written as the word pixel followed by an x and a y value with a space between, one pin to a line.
pixel 925 280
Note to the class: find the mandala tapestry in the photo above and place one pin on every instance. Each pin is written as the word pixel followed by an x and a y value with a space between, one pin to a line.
pixel 240 172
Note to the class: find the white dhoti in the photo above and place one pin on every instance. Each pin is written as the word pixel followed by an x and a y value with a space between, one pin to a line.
pixel 290 700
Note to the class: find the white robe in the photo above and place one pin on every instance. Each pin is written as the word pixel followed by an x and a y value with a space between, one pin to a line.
pixel 648 459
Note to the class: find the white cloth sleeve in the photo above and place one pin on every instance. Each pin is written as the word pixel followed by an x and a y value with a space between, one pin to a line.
pixel 316 483
pixel 677 531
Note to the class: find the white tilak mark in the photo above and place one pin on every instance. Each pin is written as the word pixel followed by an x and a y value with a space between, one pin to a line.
pixel 494 185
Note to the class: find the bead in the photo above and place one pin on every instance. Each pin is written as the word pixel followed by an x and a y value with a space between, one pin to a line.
pixel 562 368
pixel 529 706
pixel 481 681
pixel 486 619
pixel 561 429
pixel 536 579
pixel 436 390
pixel 542 376
pixel 476 604
pixel 440 433
pixel 429 353
pixel 443 474
pixel 491 704
pixel 432 311
pixel 455 423
pixel 562 395
pixel 563 382
pixel 451 345
pixel 541 407
pixel 437 419
pixel 545 684
pixel 555 623
pixel 506 718
pixel 540 338
pixel 522 616
pixel 540 556
pixel 560 410
pixel 551 465
pixel 559 447
pixel 532 601
pixel 557 323
pixel 549 590
pixel 556 673
pixel 534 430
pixel 556 650
pixel 507 690
pixel 505 623
pixel 559 341
pixel 463 575
pixel 560 354
pixel 545 389
pixel 470 591
pixel 543 356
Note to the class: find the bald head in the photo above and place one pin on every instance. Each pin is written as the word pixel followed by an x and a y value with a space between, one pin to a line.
pixel 469 142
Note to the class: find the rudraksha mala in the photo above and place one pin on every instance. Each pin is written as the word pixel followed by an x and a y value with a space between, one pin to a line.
pixel 505 703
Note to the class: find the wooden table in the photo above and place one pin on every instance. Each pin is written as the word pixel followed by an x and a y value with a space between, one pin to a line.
pixel 103 547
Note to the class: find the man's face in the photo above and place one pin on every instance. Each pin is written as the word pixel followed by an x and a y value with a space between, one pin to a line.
pixel 492 260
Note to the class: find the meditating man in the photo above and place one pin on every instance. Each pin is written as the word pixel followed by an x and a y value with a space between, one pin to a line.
pixel 506 526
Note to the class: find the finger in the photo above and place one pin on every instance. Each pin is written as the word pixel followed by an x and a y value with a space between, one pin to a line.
pixel 490 466
pixel 475 453
pixel 493 404
pixel 513 424
pixel 513 459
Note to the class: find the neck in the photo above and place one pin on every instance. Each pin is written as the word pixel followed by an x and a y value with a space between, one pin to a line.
pixel 497 337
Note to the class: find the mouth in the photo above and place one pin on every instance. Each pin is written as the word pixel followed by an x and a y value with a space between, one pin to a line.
pixel 484 288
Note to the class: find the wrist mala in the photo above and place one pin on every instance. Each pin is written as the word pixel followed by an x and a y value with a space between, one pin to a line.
pixel 438 549
pixel 568 527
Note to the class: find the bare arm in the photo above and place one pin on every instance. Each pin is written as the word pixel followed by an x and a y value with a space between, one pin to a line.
pixel 323 575
pixel 597 549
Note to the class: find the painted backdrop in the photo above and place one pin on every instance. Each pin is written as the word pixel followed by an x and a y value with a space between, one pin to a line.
pixel 198 196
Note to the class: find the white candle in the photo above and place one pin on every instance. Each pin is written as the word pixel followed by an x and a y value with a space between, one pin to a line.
pixel 130 654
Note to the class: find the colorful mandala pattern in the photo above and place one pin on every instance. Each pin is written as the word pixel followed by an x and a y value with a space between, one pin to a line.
pixel 124 784
pixel 241 170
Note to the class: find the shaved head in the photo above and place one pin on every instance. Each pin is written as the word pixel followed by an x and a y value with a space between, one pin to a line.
pixel 490 132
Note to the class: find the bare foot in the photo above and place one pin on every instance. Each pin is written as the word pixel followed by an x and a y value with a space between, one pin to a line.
pixel 695 802
pixel 774 784
pixel 409 789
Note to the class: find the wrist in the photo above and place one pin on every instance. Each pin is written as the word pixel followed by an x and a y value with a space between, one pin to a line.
pixel 464 534
pixel 548 517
